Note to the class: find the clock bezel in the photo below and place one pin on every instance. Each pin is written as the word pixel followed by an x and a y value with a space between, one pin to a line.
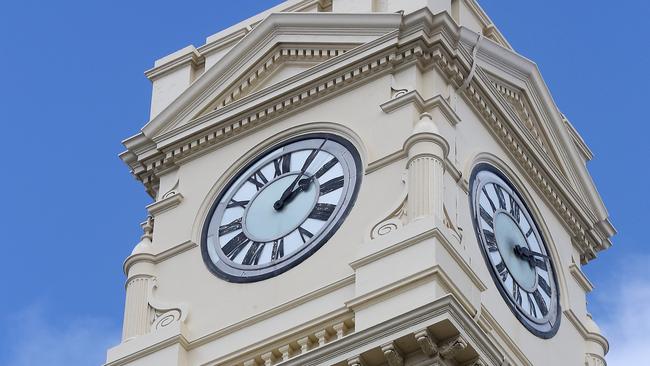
pixel 271 270
pixel 522 318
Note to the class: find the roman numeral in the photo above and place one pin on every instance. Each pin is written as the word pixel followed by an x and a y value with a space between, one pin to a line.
pixel 530 231
pixel 494 208
pixel 331 185
pixel 531 305
pixel 322 211
pixel 253 254
pixel 309 159
pixel 487 217
pixel 282 165
pixel 258 179
pixel 541 304
pixel 514 209
pixel 502 198
pixel 235 203
pixel 490 240
pixel 230 227
pixel 305 235
pixel 235 245
pixel 515 293
pixel 326 167
pixel 539 263
pixel 544 285
pixel 278 249
pixel 503 271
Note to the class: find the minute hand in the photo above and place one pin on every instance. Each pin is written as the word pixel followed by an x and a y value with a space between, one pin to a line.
pixel 287 192
pixel 529 253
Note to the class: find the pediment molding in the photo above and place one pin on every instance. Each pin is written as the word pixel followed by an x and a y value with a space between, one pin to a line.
pixel 521 106
pixel 429 43
pixel 277 28
pixel 281 54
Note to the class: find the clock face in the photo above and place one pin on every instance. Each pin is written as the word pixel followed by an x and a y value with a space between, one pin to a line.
pixel 515 251
pixel 281 208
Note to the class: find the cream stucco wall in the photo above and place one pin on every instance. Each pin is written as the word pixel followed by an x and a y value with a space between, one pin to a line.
pixel 357 279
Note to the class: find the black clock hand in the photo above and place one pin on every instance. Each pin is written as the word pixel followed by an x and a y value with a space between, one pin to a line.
pixel 529 253
pixel 287 192
pixel 303 185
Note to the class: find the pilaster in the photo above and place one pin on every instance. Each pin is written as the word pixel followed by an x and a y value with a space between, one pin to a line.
pixel 137 313
pixel 427 151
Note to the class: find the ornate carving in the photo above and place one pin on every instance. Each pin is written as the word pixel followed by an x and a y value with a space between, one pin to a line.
pixel 163 315
pixel 148 170
pixel 162 320
pixel 356 361
pixel 395 220
pixel 520 152
pixel 476 362
pixel 392 354
pixel 520 104
pixel 267 65
pixel 396 93
pixel 457 231
pixel 451 347
pixel 172 191
pixel 594 360
pixel 427 344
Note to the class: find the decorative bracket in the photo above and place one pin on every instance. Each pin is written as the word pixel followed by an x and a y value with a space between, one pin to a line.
pixel 395 219
pixel 162 314
pixel 168 200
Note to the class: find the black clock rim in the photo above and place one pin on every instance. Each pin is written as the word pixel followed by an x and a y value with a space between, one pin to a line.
pixel 335 226
pixel 522 319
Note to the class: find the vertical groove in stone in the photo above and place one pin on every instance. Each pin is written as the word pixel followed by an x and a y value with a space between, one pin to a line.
pixel 136 308
pixel 425 187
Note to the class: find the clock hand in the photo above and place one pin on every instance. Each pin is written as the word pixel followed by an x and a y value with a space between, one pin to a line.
pixel 530 253
pixel 303 185
pixel 527 254
pixel 287 192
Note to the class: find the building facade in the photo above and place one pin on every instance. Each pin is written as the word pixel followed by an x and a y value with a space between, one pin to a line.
pixel 360 182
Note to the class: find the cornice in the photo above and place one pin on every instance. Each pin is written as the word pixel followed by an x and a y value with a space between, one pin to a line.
pixel 160 343
pixel 275 25
pixel 490 325
pixel 447 307
pixel 580 278
pixel 427 47
pixel 591 208
pixel 585 332
pixel 167 203
pixel 157 257
pixel 187 55
pixel 344 282
pixel 414 97
pixel 276 57
pixel 586 152
pixel 536 167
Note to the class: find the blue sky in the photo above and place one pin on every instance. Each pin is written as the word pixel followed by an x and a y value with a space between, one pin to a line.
pixel 71 88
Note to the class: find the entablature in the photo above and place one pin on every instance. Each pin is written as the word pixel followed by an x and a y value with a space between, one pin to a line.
pixel 185 129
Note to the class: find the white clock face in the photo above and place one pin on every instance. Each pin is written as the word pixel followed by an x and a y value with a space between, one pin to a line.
pixel 281 208
pixel 515 251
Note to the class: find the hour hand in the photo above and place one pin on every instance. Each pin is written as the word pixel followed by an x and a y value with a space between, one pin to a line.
pixel 527 254
pixel 522 251
pixel 303 185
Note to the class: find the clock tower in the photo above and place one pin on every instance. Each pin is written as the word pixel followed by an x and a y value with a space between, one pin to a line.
pixel 360 182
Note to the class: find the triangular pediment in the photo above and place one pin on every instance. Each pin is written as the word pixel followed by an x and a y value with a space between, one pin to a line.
pixel 281 47
pixel 280 64
pixel 518 88
pixel 528 117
